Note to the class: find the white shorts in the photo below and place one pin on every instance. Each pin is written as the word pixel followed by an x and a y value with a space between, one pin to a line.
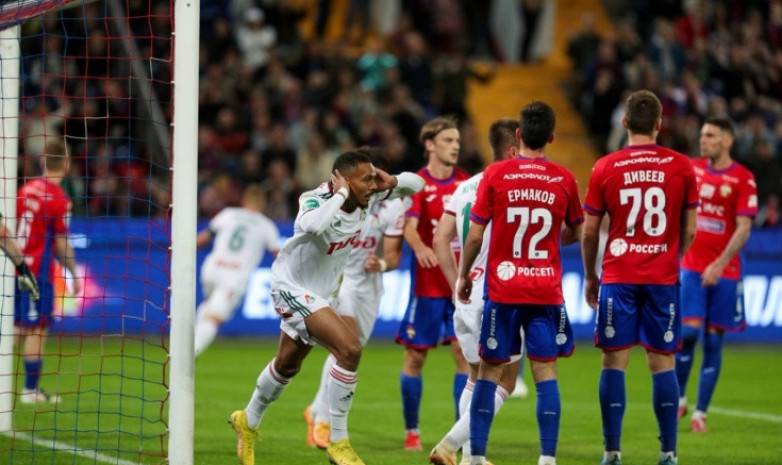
pixel 361 306
pixel 467 325
pixel 294 304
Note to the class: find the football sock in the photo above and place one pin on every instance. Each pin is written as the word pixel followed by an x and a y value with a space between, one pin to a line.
pixel 710 371
pixel 412 389
pixel 481 416
pixel 342 387
pixel 320 405
pixel 205 332
pixel 665 397
pixel 268 388
pixel 459 435
pixel 684 357
pixel 613 400
pixel 459 380
pixel 32 373
pixel 549 410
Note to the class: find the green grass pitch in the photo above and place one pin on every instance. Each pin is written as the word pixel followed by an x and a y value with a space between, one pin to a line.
pixel 745 421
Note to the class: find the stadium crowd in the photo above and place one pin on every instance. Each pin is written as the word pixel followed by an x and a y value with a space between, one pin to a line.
pixel 702 58
pixel 272 101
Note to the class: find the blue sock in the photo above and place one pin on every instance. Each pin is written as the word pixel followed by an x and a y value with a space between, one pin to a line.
pixel 459 380
pixel 481 415
pixel 710 371
pixel 665 397
pixel 32 373
pixel 549 410
pixel 412 388
pixel 684 358
pixel 613 400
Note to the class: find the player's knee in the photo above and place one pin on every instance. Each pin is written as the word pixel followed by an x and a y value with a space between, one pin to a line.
pixel 287 368
pixel 349 354
pixel 415 358
pixel 689 335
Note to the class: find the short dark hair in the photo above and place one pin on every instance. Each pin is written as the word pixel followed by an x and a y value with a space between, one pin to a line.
pixel 436 126
pixel 56 155
pixel 348 161
pixel 377 156
pixel 537 124
pixel 642 110
pixel 723 123
pixel 502 136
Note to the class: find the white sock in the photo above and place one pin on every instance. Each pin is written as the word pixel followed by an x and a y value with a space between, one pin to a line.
pixel 459 435
pixel 268 388
pixel 320 405
pixel 547 460
pixel 460 432
pixel 205 332
pixel 342 386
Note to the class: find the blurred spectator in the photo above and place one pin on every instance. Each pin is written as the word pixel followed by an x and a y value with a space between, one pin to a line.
pixel 281 191
pixel 255 39
pixel 318 161
pixel 451 76
pixel 530 13
pixel 222 191
pixel 358 11
pixel 373 66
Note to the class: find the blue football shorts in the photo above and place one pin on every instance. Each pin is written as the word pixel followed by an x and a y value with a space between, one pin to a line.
pixel 645 314
pixel 427 322
pixel 32 314
pixel 720 306
pixel 547 332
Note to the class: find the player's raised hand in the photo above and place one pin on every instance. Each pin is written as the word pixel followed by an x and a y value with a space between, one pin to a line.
pixel 463 289
pixel 338 181
pixel 426 257
pixel 384 180
pixel 591 288
pixel 27 281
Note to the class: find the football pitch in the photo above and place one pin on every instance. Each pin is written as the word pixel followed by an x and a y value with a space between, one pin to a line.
pixel 745 419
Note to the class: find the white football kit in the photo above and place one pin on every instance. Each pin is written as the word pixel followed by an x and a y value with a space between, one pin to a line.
pixel 241 237
pixel 360 292
pixel 307 272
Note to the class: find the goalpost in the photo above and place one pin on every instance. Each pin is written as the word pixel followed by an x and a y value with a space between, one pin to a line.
pixel 120 353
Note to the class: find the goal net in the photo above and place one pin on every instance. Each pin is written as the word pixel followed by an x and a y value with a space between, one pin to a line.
pixel 96 75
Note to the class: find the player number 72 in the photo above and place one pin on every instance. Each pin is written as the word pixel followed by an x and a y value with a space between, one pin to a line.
pixel 526 217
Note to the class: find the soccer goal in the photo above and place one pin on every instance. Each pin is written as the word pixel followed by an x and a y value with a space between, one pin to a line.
pixel 110 380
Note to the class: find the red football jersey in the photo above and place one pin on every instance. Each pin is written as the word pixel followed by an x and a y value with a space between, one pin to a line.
pixel 428 206
pixel 43 209
pixel 724 196
pixel 527 200
pixel 644 189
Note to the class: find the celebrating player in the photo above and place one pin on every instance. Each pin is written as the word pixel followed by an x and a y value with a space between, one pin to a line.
pixel 44 210
pixel 305 275
pixel 430 310
pixel 650 195
pixel 527 199
pixel 467 317
pixel 359 295
pixel 241 236
pixel 711 268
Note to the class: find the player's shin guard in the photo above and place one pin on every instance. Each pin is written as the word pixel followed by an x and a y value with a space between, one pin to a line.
pixel 710 371
pixel 684 358
pixel 613 400
pixel 412 388
pixel 549 411
pixel 459 435
pixel 665 397
pixel 32 373
pixel 481 416
pixel 268 388
pixel 459 381
pixel 342 387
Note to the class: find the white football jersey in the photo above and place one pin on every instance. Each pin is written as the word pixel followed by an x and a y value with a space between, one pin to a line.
pixel 241 237
pixel 316 262
pixel 460 204
pixel 386 218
